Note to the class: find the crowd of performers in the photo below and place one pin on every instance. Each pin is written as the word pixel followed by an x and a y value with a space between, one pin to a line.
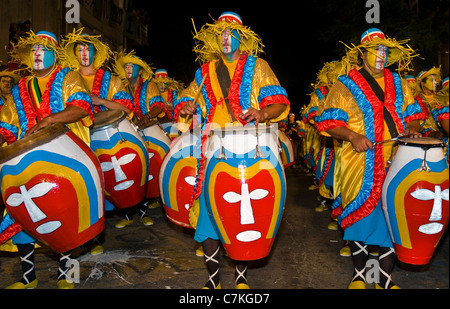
pixel 229 110
pixel 360 107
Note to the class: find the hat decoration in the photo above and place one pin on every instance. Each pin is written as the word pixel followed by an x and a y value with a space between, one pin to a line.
pixel 161 76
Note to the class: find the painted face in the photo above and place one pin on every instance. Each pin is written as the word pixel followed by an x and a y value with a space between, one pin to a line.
pixel 132 70
pixel 85 54
pixel 377 58
pixel 43 58
pixel 432 83
pixel 6 84
pixel 230 41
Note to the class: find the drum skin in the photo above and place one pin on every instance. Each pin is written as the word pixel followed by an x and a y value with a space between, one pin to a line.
pixel 158 145
pixel 245 195
pixel 123 156
pixel 54 189
pixel 177 178
pixel 287 149
pixel 415 203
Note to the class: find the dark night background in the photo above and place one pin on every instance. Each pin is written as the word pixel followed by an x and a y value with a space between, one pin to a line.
pixel 299 37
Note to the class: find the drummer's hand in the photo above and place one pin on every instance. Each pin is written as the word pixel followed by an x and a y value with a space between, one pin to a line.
pixel 95 100
pixel 40 125
pixel 188 109
pixel 361 143
pixel 409 132
pixel 252 114
pixel 143 121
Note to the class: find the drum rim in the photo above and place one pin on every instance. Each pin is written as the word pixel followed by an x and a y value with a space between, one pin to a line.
pixel 113 124
pixel 415 142
pixel 262 128
pixel 25 144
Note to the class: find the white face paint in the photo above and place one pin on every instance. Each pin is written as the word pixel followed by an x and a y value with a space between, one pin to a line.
pixel 85 54
pixel 230 41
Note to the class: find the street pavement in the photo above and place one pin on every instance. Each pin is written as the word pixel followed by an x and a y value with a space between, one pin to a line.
pixel 162 256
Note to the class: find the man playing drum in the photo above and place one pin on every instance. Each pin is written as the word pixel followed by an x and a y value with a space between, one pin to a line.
pixel 238 88
pixel 137 75
pixel 31 109
pixel 364 107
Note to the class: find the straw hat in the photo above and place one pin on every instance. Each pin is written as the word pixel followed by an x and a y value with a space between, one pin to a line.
pixel 11 74
pixel 21 52
pixel 68 57
pixel 209 42
pixel 399 52
pixel 122 59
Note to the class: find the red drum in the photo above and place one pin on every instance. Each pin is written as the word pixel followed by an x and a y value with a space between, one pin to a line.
pixel 158 145
pixel 287 149
pixel 245 188
pixel 415 199
pixel 52 185
pixel 123 156
pixel 177 178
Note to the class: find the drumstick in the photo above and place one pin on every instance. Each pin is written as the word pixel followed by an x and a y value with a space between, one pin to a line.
pixel 389 140
pixel 200 89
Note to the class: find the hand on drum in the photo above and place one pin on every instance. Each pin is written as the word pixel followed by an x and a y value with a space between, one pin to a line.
pixel 252 114
pixel 143 121
pixel 40 125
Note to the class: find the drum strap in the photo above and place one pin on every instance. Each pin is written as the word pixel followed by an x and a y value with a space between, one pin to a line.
pixel 225 82
pixel 380 95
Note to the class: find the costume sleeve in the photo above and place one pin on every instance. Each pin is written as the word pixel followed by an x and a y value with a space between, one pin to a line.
pixel 411 108
pixel 117 93
pixel 267 89
pixel 75 93
pixel 333 112
pixel 154 98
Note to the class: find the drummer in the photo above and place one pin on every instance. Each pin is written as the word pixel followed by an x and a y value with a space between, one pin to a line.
pixel 7 80
pixel 169 89
pixel 136 75
pixel 434 106
pixel 353 112
pixel 229 51
pixel 29 110
pixel 87 54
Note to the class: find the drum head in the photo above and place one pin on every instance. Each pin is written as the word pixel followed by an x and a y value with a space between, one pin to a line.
pixel 108 118
pixel 27 143
pixel 424 142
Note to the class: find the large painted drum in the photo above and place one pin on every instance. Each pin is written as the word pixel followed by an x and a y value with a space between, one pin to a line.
pixel 177 178
pixel 245 188
pixel 52 185
pixel 287 149
pixel 123 156
pixel 415 199
pixel 158 145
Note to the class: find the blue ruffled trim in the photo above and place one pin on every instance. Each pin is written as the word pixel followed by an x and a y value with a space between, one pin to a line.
pixel 1 102
pixel 412 109
pixel 104 87
pixel 80 96
pixel 56 97
pixel 245 88
pixel 367 183
pixel 6 222
pixel 398 96
pixel 155 100
pixel 333 114
pixel 123 95
pixel 272 90
pixel 143 98
pixel 439 111
pixel 23 120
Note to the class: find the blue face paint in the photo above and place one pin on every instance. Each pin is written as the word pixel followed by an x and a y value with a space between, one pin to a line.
pixel 43 58
pixel 85 54
pixel 231 41
pixel 132 70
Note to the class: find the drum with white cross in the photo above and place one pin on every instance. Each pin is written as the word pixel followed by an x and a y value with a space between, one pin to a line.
pixel 415 199
pixel 245 188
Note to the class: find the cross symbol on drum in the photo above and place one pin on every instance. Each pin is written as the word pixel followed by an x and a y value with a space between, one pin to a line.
pixel 436 213
pixel 117 164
